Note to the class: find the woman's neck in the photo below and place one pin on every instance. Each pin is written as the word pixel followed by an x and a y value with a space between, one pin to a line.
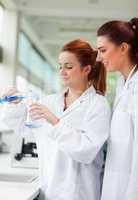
pixel 72 94
pixel 78 91
pixel 126 69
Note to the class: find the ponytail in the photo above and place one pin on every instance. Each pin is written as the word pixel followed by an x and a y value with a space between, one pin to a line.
pixel 134 26
pixel 98 77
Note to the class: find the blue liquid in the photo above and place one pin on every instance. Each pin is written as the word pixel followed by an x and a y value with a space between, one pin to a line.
pixel 8 99
pixel 33 125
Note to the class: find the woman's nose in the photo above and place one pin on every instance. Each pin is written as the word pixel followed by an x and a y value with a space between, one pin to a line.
pixel 99 57
pixel 62 71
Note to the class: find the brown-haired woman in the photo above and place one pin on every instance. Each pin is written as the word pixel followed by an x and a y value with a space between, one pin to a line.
pixel 76 127
pixel 118 49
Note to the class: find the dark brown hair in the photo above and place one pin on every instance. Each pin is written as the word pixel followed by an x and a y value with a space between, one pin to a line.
pixel 87 56
pixel 122 31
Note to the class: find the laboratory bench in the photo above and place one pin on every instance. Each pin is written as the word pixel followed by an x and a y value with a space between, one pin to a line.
pixel 17 183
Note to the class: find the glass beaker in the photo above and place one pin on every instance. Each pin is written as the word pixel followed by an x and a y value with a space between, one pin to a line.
pixel 31 98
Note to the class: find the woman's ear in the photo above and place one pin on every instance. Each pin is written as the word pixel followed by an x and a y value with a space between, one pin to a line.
pixel 124 48
pixel 87 69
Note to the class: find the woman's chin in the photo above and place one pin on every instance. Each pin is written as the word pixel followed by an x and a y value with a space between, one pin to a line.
pixel 109 68
pixel 65 83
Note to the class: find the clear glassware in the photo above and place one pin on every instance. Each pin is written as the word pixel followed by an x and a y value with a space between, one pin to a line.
pixel 32 97
pixel 28 98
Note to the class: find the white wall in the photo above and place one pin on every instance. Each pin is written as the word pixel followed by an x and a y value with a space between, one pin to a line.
pixel 8 37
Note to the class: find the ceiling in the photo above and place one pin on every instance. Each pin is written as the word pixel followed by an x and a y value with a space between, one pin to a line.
pixel 54 22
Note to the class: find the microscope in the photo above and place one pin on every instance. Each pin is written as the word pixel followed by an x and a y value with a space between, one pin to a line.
pixel 28 150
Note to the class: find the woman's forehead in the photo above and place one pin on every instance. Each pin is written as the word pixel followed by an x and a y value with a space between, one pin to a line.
pixel 103 41
pixel 67 57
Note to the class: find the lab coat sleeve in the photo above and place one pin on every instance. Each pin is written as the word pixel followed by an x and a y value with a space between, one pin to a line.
pixel 84 143
pixel 14 116
pixel 132 189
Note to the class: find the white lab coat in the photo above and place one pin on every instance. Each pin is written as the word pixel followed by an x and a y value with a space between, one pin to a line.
pixel 70 153
pixel 121 171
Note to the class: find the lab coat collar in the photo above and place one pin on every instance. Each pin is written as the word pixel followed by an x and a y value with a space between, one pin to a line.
pixel 90 90
pixel 132 77
pixel 80 100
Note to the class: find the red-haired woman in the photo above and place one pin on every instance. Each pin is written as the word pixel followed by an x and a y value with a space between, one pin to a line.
pixel 70 144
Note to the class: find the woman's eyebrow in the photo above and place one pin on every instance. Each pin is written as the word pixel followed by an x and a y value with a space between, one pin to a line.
pixel 100 47
pixel 66 63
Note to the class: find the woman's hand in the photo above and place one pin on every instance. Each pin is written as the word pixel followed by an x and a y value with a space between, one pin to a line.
pixel 12 92
pixel 39 111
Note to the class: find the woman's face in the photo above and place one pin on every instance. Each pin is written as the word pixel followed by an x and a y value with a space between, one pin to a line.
pixel 71 72
pixel 109 53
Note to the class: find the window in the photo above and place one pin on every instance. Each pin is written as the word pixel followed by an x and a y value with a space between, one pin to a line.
pixel 35 67
pixel 24 50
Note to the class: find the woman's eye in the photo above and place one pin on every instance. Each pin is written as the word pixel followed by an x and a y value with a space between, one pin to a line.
pixel 102 50
pixel 68 67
